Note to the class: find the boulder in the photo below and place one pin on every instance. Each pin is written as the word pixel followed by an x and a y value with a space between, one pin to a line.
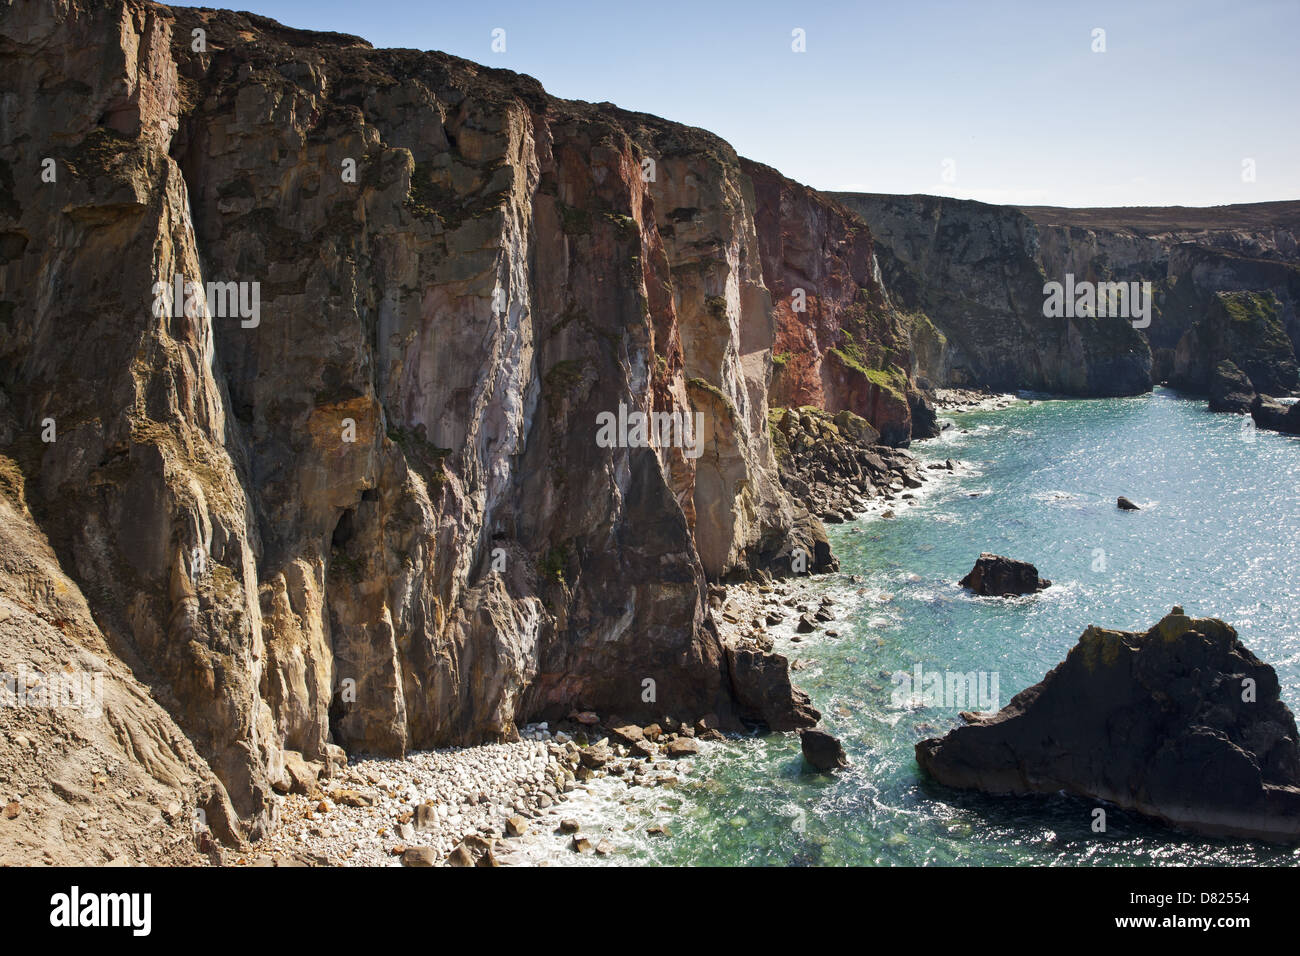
pixel 764 694
pixel 1181 723
pixel 461 856
pixel 627 734
pixel 822 751
pixel 418 856
pixel 1230 389
pixel 683 747
pixel 1273 415
pixel 996 576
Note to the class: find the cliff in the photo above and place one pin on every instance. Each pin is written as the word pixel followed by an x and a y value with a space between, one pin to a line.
pixel 362 401
pixel 840 343
pixel 978 272
pixel 358 492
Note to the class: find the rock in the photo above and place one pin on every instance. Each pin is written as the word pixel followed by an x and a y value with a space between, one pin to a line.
pixel 628 734
pixel 302 774
pixel 805 625
pixel 352 798
pixel 568 826
pixel 461 856
pixel 1152 722
pixel 604 848
pixel 516 826
pixel 426 815
pixel 1125 505
pixel 1275 416
pixel 821 750
pixel 997 576
pixel 998 256
pixel 581 845
pixel 652 732
pixel 683 747
pixel 764 694
pixel 418 856
pixel 1230 389
pixel 587 718
pixel 1237 345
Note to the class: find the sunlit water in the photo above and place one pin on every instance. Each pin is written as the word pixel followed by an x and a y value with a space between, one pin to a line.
pixel 1218 533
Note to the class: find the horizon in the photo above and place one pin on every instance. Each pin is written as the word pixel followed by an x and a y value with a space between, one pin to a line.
pixel 962 101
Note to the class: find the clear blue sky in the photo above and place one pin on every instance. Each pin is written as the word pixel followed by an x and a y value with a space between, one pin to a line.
pixel 1011 92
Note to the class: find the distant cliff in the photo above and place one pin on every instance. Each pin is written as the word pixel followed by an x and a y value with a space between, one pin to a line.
pixel 978 272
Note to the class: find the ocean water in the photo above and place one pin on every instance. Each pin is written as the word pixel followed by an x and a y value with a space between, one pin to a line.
pixel 1218 533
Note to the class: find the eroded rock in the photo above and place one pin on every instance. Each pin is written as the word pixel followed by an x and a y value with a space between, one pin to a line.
pixel 1181 723
pixel 996 576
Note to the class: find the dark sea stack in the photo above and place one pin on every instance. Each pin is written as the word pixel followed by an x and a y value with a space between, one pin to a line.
pixel 1123 504
pixel 1273 415
pixel 822 751
pixel 1183 724
pixel 763 691
pixel 1231 389
pixel 996 576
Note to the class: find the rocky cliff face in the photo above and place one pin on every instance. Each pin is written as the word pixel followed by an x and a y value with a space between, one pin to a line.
pixel 840 344
pixel 358 494
pixel 978 272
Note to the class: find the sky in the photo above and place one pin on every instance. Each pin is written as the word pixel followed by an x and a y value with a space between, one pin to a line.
pixel 1176 103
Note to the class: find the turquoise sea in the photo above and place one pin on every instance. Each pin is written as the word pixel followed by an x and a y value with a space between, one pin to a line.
pixel 1218 533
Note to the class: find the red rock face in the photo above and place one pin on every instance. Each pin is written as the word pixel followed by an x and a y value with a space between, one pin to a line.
pixel 838 344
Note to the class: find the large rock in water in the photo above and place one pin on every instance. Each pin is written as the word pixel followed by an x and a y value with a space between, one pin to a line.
pixel 1272 414
pixel 1182 723
pixel 764 693
pixel 996 576
pixel 821 750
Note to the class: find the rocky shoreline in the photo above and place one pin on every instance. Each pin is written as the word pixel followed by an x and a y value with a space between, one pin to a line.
pixel 474 806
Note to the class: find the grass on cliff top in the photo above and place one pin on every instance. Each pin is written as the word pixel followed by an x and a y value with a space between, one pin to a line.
pixel 1250 307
